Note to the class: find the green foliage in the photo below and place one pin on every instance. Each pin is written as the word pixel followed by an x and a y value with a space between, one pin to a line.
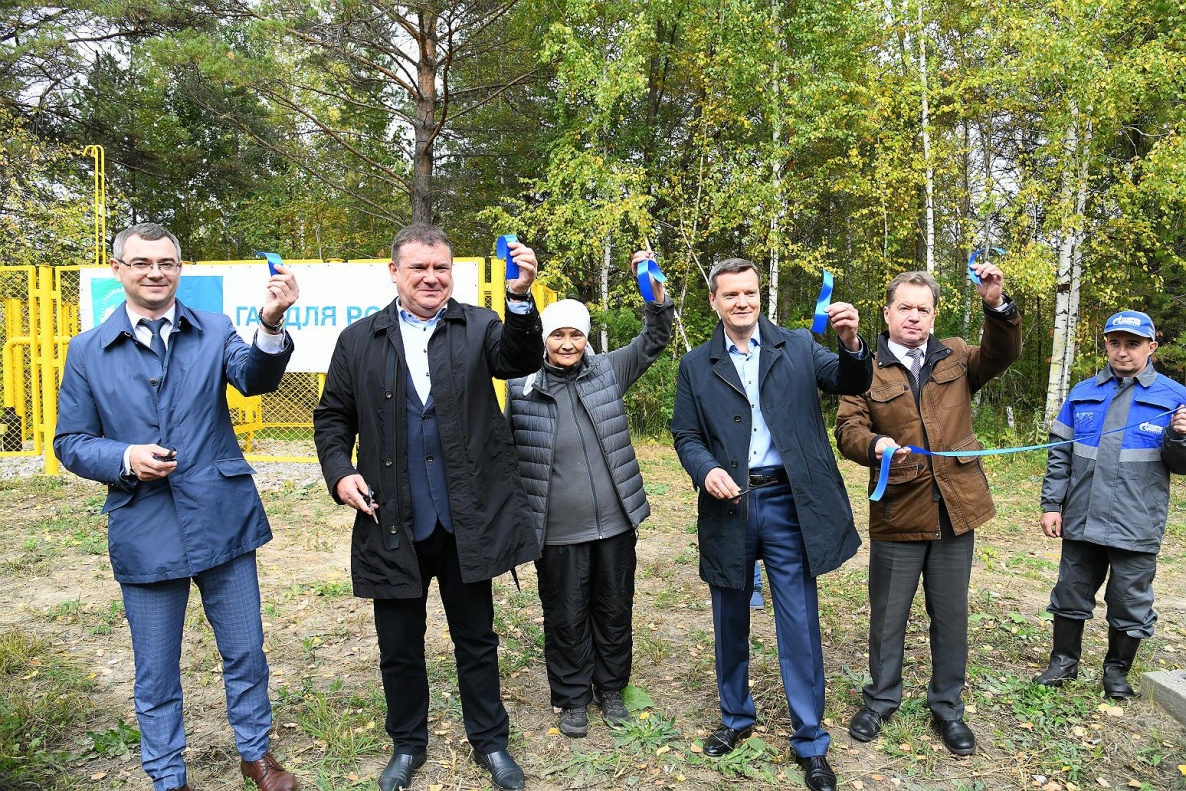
pixel 43 701
pixel 115 742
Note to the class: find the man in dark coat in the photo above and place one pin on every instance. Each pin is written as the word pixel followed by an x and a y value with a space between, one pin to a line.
pixel 436 486
pixel 747 415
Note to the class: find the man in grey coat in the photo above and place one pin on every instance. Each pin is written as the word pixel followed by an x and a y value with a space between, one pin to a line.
pixel 572 438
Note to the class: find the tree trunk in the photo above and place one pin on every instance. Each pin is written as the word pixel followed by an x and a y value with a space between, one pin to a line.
pixel 605 262
pixel 926 141
pixel 424 128
pixel 1067 283
pixel 776 174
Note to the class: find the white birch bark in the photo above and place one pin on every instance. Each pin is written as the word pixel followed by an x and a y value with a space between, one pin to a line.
pixel 776 209
pixel 926 141
pixel 1073 194
pixel 605 262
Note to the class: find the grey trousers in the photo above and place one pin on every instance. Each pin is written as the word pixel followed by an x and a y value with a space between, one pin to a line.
pixel 1129 594
pixel 945 566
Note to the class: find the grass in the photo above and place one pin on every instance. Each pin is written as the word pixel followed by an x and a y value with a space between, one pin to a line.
pixel 327 692
pixel 43 702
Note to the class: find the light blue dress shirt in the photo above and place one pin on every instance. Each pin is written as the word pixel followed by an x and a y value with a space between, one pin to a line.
pixel 762 452
pixel 416 332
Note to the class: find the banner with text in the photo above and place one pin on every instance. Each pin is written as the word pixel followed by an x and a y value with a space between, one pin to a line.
pixel 332 297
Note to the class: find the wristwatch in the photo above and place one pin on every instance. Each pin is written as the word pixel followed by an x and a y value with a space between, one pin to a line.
pixel 513 297
pixel 272 328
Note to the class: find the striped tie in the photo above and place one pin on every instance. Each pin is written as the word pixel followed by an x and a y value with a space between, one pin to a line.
pixel 915 356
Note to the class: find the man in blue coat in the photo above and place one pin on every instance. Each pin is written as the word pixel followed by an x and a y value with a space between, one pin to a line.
pixel 748 429
pixel 142 408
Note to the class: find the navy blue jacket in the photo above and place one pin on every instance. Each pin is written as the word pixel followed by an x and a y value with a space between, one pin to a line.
pixel 711 428
pixel 114 394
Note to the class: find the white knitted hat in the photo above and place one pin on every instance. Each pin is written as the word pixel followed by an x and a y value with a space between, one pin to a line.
pixel 565 313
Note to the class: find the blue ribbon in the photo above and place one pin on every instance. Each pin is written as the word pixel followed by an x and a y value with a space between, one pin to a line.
pixel 887 456
pixel 648 268
pixel 503 251
pixel 820 325
pixel 972 272
pixel 274 260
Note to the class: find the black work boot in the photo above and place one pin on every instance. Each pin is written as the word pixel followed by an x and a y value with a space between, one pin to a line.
pixel 1122 649
pixel 1064 655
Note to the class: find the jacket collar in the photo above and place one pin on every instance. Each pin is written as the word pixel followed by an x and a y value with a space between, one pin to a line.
pixel 1145 378
pixel 118 325
pixel 936 350
pixel 389 316
pixel 768 331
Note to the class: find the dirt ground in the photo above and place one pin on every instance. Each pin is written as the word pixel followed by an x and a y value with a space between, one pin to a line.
pixel 55 582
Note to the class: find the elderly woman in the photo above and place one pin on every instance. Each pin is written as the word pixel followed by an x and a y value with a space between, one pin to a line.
pixel 585 488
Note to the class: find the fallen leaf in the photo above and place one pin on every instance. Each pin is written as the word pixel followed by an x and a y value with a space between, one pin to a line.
pixel 553 731
pixel 1134 783
pixel 1115 711
pixel 696 748
pixel 858 785
pixel 98 775
pixel 1103 782
pixel 665 748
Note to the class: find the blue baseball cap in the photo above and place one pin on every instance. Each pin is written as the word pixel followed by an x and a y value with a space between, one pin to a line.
pixel 1134 322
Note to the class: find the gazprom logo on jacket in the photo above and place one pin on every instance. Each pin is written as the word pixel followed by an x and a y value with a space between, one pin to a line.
pixel 1152 428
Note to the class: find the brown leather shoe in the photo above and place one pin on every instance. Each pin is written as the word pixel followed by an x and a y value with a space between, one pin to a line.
pixel 268 774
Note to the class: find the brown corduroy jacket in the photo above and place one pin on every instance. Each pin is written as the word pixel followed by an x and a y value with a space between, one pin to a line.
pixel 939 419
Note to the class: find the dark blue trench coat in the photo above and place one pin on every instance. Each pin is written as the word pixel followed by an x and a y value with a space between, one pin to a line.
pixel 711 426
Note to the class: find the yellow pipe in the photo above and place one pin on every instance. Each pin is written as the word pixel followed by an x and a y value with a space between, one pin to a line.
pixel 99 202
pixel 46 359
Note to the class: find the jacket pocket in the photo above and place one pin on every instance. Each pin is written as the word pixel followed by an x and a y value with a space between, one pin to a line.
pixel 117 498
pixel 888 392
pixel 230 468
pixel 904 472
pixel 950 374
pixel 969 443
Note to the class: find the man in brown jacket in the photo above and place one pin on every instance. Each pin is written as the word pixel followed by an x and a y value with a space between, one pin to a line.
pixel 923 526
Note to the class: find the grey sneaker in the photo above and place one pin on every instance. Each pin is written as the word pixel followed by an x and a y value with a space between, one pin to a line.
pixel 613 709
pixel 574 722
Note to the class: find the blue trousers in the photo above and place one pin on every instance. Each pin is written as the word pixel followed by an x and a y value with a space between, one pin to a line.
pixel 156 615
pixel 772 534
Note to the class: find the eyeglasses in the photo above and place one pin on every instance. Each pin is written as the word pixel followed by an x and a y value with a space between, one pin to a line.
pixel 166 267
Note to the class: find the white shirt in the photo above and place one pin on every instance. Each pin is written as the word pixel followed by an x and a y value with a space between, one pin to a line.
pixel 415 333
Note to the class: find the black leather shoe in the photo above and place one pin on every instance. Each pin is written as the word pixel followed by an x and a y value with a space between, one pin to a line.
pixel 957 736
pixel 723 740
pixel 504 772
pixel 398 772
pixel 865 725
pixel 817 773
